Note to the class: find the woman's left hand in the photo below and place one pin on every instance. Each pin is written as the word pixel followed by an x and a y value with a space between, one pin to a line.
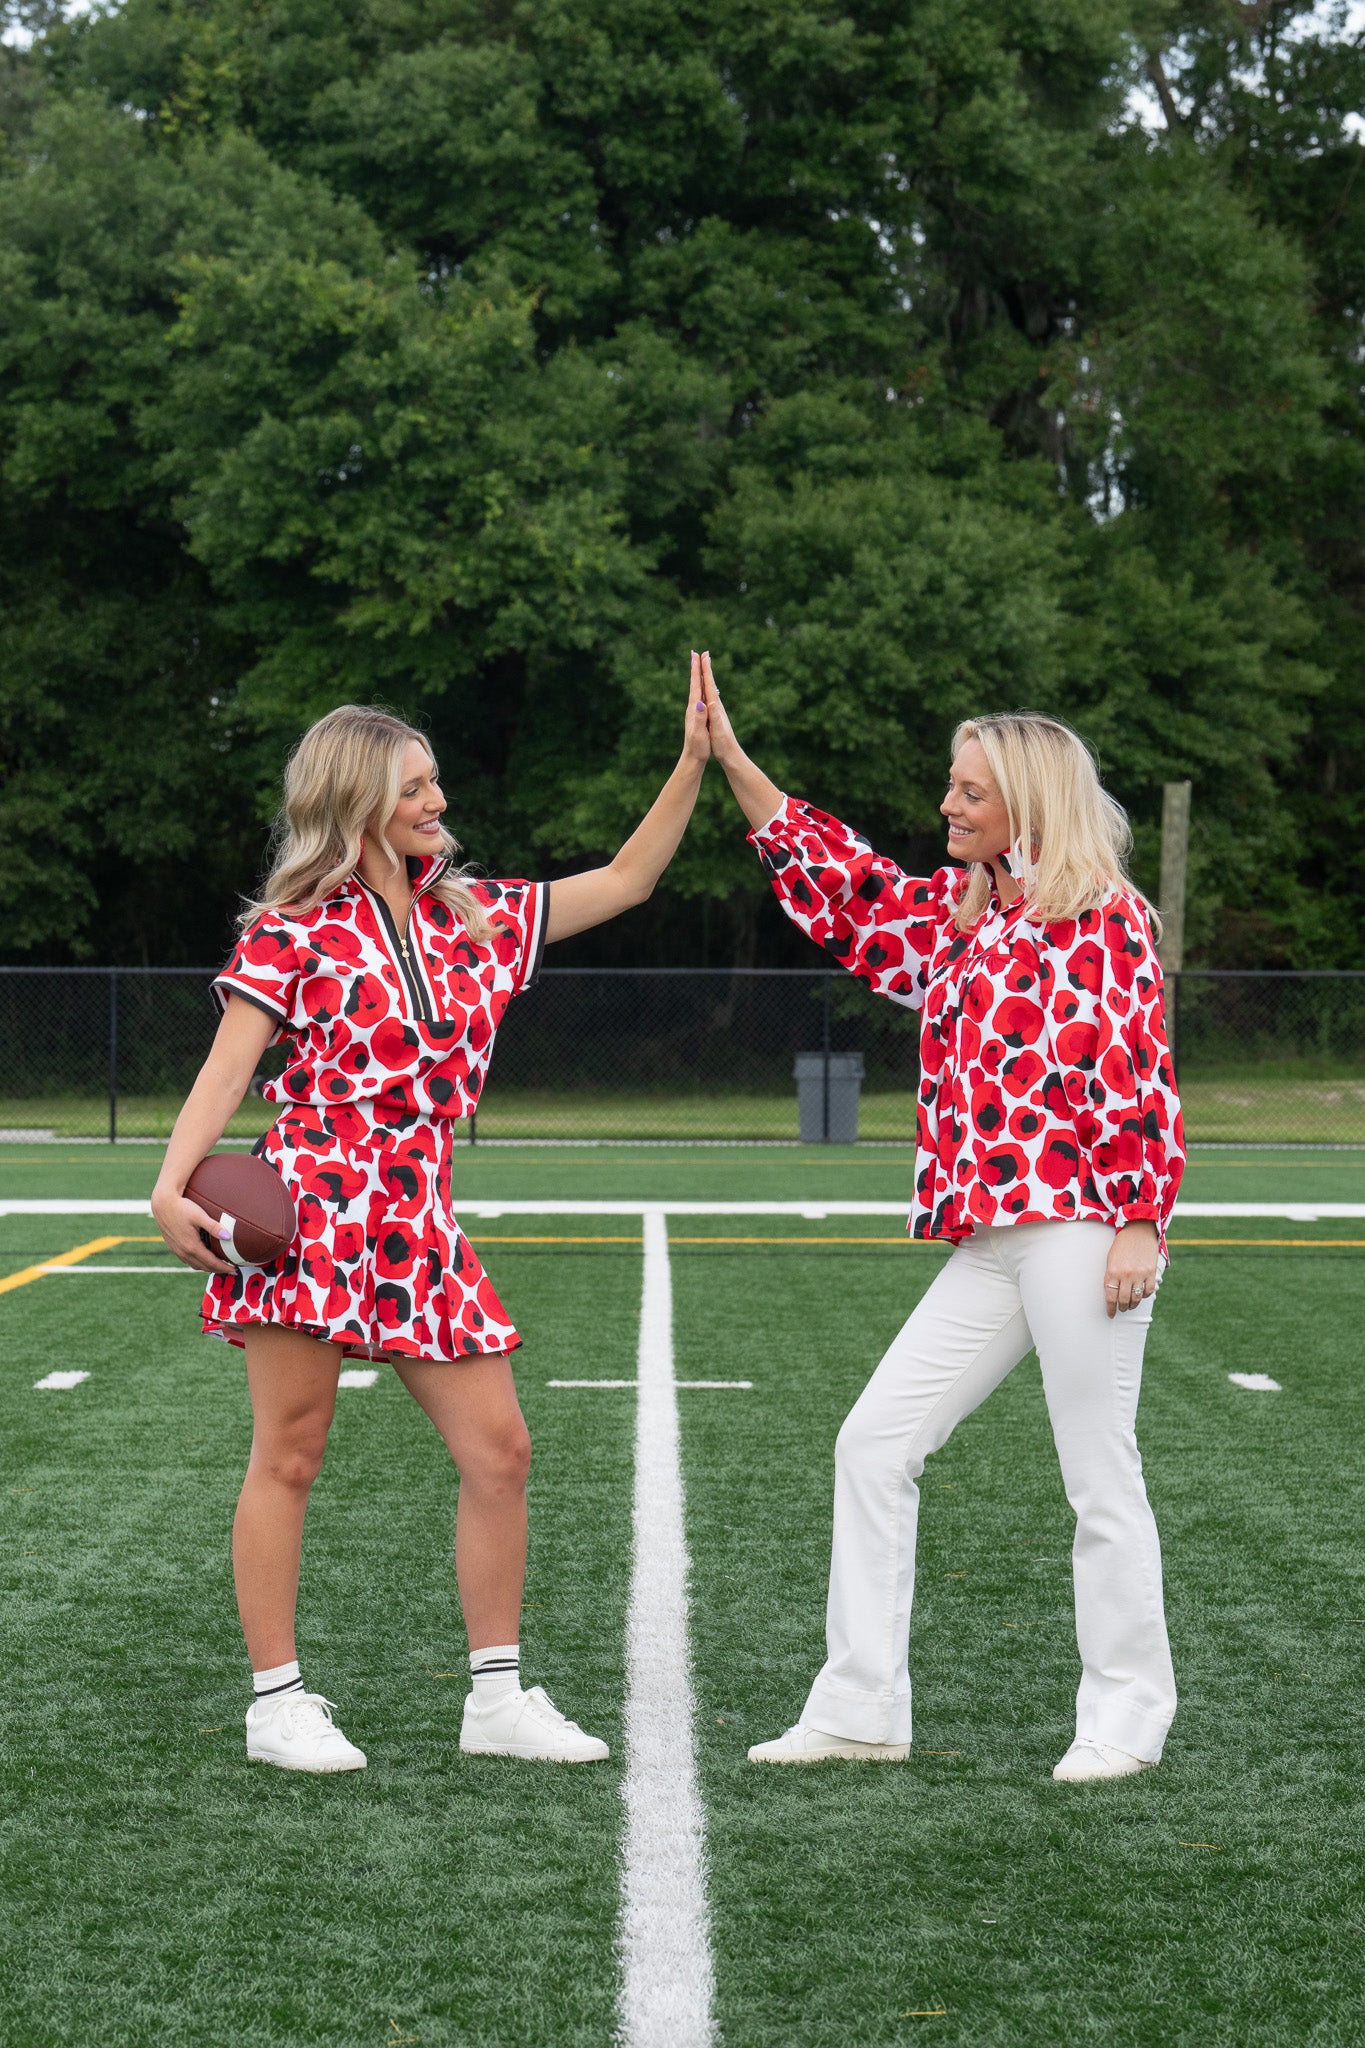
pixel 697 731
pixel 1130 1272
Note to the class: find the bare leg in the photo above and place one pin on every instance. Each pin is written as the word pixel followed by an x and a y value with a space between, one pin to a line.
pixel 474 1405
pixel 293 1382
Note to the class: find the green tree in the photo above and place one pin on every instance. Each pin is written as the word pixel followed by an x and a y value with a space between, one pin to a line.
pixel 483 359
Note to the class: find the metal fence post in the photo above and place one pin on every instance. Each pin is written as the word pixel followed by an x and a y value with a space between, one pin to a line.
pixel 113 1055
pixel 824 1047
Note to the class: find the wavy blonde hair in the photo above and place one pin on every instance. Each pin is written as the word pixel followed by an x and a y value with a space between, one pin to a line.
pixel 1075 837
pixel 342 780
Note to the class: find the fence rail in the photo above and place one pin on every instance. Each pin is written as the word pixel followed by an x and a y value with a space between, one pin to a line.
pixel 676 1053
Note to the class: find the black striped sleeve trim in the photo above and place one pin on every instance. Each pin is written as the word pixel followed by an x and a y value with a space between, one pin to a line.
pixel 535 948
pixel 224 986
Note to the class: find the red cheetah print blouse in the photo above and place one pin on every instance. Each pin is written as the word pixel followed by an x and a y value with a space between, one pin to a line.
pixel 408 1026
pixel 1046 1086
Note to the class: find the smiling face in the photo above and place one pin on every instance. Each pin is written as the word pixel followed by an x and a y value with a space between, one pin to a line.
pixel 415 827
pixel 978 822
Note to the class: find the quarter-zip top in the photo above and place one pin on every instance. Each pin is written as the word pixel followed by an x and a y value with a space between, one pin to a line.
pixel 407 951
pixel 371 1012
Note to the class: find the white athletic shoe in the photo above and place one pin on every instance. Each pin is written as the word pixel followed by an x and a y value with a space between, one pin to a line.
pixel 1086 1759
pixel 528 1725
pixel 299 1734
pixel 802 1745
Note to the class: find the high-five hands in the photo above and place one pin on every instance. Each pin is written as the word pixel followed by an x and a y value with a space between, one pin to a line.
pixel 756 796
pixel 696 733
pixel 724 745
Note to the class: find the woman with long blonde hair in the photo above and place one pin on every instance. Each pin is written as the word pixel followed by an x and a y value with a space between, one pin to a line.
pixel 386 971
pixel 1048 1154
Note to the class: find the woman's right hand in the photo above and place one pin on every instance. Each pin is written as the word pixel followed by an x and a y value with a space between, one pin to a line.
pixel 180 1221
pixel 756 796
pixel 724 746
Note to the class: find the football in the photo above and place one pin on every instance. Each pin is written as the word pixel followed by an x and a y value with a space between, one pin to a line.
pixel 248 1194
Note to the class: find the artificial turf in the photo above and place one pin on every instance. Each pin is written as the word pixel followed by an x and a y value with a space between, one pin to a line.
pixel 156 1888
pixel 1215 1900
pixel 159 1890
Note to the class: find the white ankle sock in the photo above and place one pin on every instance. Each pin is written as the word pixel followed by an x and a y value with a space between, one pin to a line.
pixel 495 1671
pixel 277 1682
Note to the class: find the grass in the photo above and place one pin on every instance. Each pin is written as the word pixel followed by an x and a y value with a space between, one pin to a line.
pixel 846 1900
pixel 1222 1106
pixel 158 1890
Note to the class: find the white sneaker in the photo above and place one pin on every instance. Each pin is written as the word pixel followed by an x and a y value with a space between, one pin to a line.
pixel 1087 1759
pixel 299 1734
pixel 529 1725
pixel 802 1745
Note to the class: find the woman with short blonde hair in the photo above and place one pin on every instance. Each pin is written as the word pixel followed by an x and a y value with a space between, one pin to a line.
pixel 386 972
pixel 1048 1154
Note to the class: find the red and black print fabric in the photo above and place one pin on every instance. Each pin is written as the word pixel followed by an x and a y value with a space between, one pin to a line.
pixel 413 1030
pixel 390 1036
pixel 379 1266
pixel 1046 1086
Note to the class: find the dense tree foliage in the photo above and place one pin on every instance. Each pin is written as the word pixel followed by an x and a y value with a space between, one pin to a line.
pixel 482 356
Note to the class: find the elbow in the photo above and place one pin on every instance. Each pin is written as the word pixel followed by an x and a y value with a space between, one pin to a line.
pixel 633 888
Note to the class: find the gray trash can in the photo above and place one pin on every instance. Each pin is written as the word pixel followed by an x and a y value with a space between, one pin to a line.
pixel 845 1081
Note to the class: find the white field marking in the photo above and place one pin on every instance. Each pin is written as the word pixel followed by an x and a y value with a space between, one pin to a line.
pixel 85 1208
pixel 667 1977
pixel 357 1376
pixel 592 1383
pixel 94 1272
pixel 58 1382
pixel 1256 1382
pixel 692 1384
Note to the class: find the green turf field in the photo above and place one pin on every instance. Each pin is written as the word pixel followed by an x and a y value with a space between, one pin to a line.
pixel 159 1891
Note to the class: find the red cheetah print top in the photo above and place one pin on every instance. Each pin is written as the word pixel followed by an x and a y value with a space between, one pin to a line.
pixel 1046 1086
pixel 410 1027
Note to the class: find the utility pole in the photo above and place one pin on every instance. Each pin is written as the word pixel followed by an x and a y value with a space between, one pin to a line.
pixel 1175 849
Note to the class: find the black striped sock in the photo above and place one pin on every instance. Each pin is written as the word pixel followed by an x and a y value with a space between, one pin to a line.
pixel 495 1671
pixel 279 1680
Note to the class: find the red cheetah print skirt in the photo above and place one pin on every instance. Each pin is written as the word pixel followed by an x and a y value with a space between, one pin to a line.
pixel 380 1266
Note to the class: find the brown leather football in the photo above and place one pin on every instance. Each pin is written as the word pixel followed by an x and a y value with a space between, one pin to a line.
pixel 235 1187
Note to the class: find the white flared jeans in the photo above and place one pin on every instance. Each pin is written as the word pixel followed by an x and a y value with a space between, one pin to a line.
pixel 1002 1293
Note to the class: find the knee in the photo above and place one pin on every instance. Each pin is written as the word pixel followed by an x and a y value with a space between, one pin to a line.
pixel 873 1448
pixel 502 1462
pixel 859 1446
pixel 293 1462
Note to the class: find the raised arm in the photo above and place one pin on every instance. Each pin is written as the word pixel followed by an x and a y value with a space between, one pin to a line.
pixel 223 1079
pixel 757 796
pixel 867 913
pixel 581 901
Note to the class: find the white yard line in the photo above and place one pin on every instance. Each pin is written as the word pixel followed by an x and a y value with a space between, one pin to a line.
pixel 667 1977
pixel 711 1385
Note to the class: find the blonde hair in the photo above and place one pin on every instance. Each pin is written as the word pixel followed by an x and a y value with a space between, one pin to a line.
pixel 343 779
pixel 1075 838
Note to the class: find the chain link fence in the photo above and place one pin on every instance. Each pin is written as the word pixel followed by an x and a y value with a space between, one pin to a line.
pixel 101 1053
